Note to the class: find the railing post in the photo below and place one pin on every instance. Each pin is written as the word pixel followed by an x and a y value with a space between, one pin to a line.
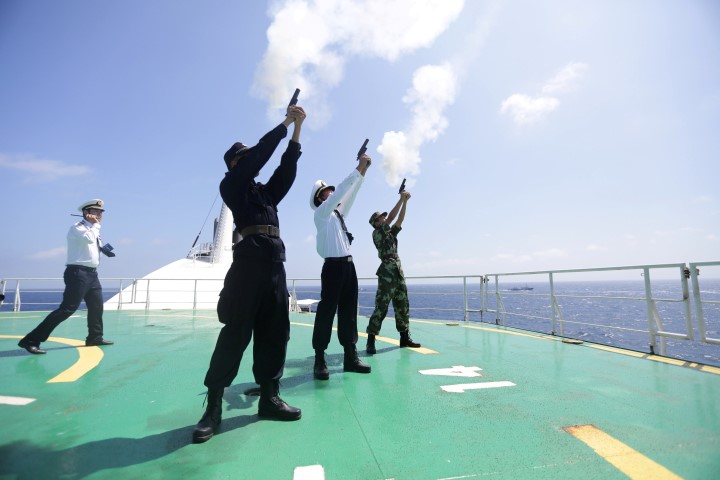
pixel 650 308
pixel 686 303
pixel 698 303
pixel 17 302
pixel 483 293
pixel 465 299
pixel 147 296
pixel 553 303
pixel 195 287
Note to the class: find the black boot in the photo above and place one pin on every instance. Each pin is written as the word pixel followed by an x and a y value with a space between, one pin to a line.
pixel 370 348
pixel 353 363
pixel 320 370
pixel 406 341
pixel 210 420
pixel 272 406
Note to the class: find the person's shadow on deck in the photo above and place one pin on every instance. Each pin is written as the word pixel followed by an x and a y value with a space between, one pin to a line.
pixel 25 461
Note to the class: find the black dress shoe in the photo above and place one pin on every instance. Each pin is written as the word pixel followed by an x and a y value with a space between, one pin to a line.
pixel 97 342
pixel 34 349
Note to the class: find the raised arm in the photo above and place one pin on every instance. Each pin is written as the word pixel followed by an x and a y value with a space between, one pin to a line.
pixel 404 197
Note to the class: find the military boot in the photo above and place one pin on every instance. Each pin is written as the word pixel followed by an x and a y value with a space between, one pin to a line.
pixel 210 420
pixel 352 362
pixel 272 406
pixel 370 348
pixel 320 370
pixel 406 341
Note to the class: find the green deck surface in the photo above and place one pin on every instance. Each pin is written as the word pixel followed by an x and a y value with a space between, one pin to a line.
pixel 132 415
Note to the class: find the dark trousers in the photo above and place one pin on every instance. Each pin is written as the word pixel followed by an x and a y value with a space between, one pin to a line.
pixel 254 300
pixel 81 283
pixel 339 293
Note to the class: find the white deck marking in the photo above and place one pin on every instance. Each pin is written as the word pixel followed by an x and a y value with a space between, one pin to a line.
pixel 460 388
pixel 455 371
pixel 15 400
pixel 310 472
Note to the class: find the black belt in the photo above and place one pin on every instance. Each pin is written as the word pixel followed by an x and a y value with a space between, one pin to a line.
pixel 269 230
pixel 83 267
pixel 339 259
pixel 392 256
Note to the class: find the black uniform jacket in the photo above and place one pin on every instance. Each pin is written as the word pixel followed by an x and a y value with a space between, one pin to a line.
pixel 254 203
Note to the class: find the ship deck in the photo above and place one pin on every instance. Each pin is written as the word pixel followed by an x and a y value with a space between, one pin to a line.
pixel 477 401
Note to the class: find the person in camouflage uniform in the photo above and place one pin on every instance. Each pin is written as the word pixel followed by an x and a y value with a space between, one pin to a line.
pixel 391 280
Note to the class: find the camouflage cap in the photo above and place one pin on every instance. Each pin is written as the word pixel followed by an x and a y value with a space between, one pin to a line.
pixel 375 216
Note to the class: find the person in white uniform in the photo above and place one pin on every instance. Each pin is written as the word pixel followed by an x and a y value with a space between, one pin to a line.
pixel 339 284
pixel 81 281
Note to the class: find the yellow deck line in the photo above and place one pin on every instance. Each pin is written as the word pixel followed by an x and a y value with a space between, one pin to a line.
pixel 89 358
pixel 647 356
pixel 629 461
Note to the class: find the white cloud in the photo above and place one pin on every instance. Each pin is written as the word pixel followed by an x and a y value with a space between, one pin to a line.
pixel 41 170
pixel 549 253
pixel 596 248
pixel 565 80
pixel 309 239
pixel 332 32
pixel 57 252
pixel 526 109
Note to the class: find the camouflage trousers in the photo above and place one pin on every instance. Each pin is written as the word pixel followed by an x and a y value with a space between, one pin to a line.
pixel 391 287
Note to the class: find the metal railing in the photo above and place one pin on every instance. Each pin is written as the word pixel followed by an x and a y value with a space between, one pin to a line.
pixel 544 307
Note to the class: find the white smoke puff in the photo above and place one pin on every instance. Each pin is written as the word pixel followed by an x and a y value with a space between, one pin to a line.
pixel 332 31
pixel 399 157
pixel 434 89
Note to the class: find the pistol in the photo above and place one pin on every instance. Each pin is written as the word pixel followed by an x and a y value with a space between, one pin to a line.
pixel 363 149
pixel 294 99
pixel 402 186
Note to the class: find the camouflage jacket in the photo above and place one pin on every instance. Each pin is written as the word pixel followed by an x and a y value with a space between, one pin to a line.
pixel 385 240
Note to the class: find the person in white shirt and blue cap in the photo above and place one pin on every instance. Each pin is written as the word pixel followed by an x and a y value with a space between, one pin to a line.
pixel 81 281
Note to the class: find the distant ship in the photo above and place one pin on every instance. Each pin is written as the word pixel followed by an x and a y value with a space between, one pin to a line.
pixel 523 288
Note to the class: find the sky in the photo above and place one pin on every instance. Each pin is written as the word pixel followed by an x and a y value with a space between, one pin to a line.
pixel 533 135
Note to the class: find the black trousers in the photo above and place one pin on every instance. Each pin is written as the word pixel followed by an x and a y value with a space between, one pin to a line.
pixel 339 293
pixel 81 283
pixel 254 300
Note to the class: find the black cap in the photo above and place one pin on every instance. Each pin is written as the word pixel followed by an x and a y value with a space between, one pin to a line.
pixel 237 148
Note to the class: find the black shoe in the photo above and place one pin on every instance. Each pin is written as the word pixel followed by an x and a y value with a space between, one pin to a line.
pixel 320 370
pixel 406 341
pixel 352 362
pixel 272 406
pixel 206 427
pixel 210 421
pixel 30 347
pixel 370 348
pixel 97 342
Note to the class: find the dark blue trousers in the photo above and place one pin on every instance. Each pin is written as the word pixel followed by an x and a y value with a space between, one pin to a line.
pixel 339 293
pixel 81 283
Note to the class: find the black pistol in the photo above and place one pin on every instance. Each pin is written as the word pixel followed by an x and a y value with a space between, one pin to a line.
pixel 294 99
pixel 402 186
pixel 363 149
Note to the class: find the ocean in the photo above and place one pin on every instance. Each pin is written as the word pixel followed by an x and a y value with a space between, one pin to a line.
pixel 612 313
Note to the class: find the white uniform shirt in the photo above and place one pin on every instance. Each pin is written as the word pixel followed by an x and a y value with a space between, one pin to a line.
pixel 82 244
pixel 331 239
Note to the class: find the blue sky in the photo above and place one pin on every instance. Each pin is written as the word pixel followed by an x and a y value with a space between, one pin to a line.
pixel 534 135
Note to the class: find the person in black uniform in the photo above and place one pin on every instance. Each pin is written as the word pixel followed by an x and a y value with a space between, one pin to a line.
pixel 254 298
pixel 81 281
